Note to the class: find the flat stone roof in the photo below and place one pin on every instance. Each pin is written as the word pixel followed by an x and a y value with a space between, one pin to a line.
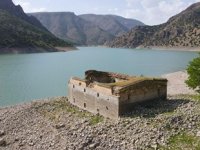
pixel 111 80
pixel 131 81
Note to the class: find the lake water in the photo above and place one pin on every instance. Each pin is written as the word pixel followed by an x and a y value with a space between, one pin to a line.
pixel 25 77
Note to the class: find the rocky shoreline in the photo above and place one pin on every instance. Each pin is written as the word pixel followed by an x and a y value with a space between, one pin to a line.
pixel 54 124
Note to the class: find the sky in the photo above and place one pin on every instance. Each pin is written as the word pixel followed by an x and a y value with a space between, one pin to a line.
pixel 150 12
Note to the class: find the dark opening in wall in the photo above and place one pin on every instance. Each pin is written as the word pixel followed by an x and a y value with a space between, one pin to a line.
pixel 97 94
pixel 84 105
pixel 159 95
pixel 80 83
pixel 106 107
pixel 97 110
pixel 73 86
pixel 84 90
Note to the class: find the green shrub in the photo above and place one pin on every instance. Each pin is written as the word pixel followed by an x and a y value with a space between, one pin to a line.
pixel 193 71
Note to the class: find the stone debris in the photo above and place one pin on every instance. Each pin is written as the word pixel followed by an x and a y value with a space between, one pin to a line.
pixel 59 126
pixel 2 142
pixel 198 133
pixel 40 125
pixel 2 133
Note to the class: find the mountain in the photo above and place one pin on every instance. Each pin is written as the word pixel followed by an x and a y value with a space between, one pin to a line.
pixel 68 26
pixel 9 6
pixel 85 29
pixel 182 30
pixel 115 25
pixel 20 33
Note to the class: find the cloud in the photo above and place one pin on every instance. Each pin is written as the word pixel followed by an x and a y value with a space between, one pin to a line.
pixel 155 11
pixel 27 6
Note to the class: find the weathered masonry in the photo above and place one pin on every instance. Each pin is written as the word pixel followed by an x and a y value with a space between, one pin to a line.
pixel 112 94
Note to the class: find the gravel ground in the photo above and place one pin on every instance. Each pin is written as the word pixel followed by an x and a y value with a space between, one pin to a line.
pixel 54 124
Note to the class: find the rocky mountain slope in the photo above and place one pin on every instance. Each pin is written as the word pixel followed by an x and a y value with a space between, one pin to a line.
pixel 68 26
pixel 115 25
pixel 85 29
pixel 182 30
pixel 20 33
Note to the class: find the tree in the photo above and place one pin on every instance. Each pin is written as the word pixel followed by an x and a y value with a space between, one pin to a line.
pixel 193 71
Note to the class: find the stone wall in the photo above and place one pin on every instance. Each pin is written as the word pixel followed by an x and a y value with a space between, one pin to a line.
pixel 143 92
pixel 96 102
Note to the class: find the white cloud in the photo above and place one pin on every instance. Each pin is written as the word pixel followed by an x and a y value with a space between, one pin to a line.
pixel 155 11
pixel 27 6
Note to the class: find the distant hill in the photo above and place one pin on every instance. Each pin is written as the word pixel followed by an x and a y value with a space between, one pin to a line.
pixel 115 25
pixel 85 29
pixel 20 33
pixel 68 26
pixel 182 30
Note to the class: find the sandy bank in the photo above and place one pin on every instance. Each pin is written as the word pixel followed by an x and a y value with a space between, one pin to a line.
pixel 65 49
pixel 26 50
pixel 176 83
pixel 192 49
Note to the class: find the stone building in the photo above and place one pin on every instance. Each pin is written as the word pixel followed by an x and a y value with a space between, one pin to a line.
pixel 112 94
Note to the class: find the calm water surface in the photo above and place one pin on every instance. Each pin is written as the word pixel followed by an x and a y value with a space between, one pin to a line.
pixel 25 77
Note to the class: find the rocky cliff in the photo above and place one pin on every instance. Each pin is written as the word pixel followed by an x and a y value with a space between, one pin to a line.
pixel 182 30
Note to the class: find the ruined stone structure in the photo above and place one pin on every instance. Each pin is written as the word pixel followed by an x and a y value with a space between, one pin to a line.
pixel 112 94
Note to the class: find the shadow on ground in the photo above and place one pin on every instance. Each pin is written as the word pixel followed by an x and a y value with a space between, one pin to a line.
pixel 154 108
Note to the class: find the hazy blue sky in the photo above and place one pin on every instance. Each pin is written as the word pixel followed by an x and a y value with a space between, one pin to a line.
pixel 149 11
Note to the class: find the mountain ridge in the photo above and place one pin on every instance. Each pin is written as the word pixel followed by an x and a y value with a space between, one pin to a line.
pixel 113 24
pixel 181 30
pixel 77 28
pixel 68 26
